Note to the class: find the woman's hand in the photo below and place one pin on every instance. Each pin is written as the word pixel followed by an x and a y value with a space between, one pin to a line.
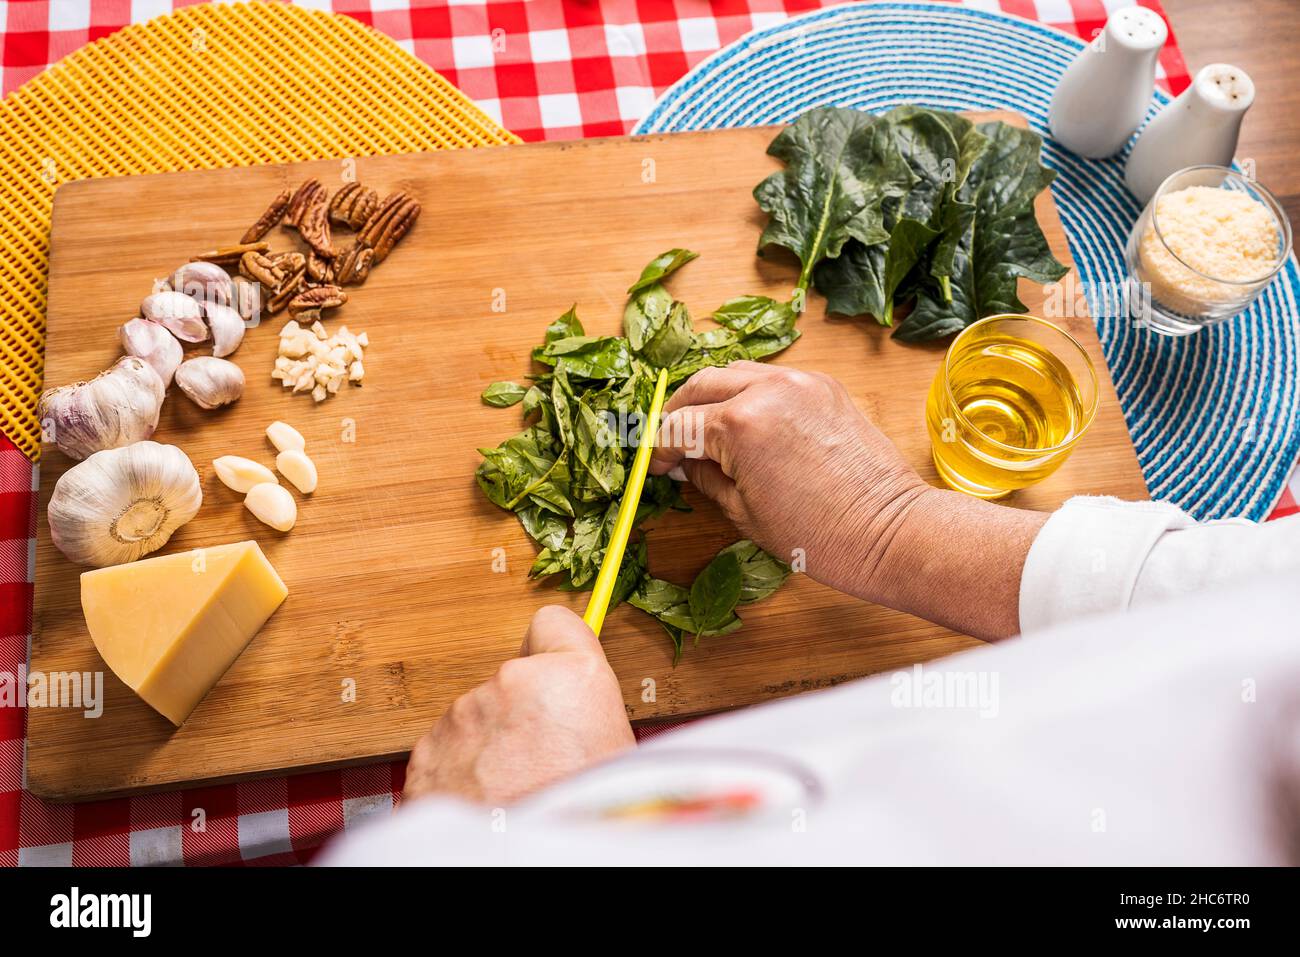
pixel 794 464
pixel 544 716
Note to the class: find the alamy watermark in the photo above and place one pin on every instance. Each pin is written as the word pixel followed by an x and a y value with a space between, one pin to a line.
pixel 53 689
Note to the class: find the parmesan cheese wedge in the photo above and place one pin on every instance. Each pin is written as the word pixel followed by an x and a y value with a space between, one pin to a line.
pixel 169 627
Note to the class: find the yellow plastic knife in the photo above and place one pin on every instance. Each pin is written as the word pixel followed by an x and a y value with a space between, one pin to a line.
pixel 603 590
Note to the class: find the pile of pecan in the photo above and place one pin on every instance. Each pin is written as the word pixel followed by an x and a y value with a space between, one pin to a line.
pixel 308 282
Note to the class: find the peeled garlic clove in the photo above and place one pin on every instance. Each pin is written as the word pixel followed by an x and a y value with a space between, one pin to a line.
pixel 226 326
pixel 178 312
pixel 241 474
pixel 210 382
pixel 155 345
pixel 272 505
pixel 294 465
pixel 205 282
pixel 284 437
pixel 121 504
pixel 113 409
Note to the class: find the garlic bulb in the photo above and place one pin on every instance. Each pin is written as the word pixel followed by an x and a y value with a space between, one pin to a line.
pixel 115 408
pixel 226 326
pixel 206 282
pixel 155 345
pixel 178 312
pixel 210 382
pixel 122 504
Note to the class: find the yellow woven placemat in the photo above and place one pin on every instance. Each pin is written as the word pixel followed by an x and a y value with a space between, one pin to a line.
pixel 206 87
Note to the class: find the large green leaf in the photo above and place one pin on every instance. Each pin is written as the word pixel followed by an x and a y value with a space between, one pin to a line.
pixel 1002 243
pixel 840 166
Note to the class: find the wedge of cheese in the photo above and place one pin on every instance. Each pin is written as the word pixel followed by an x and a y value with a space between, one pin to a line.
pixel 169 627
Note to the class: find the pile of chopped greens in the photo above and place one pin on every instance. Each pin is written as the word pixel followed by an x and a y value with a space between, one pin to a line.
pixel 915 205
pixel 563 475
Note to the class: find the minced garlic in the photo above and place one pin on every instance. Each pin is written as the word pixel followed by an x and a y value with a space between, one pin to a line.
pixel 1222 233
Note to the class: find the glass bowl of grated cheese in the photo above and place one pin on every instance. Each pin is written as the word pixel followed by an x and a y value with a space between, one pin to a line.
pixel 1205 246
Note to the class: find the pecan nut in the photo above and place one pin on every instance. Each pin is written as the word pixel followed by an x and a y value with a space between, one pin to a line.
pixel 230 255
pixel 288 289
pixel 290 261
pixel 319 269
pixel 353 265
pixel 314 225
pixel 274 213
pixel 302 200
pixel 352 205
pixel 308 304
pixel 264 269
pixel 388 224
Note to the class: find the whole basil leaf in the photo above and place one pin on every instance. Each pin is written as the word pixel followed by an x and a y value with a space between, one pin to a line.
pixel 756 316
pixel 659 268
pixel 761 574
pixel 840 166
pixel 566 327
pixel 503 394
pixel 699 358
pixel 760 347
pixel 588 357
pixel 671 341
pixel 598 454
pixel 545 528
pixel 644 314
pixel 715 592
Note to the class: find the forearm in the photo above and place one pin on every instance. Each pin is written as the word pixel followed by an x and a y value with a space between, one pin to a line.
pixel 953 560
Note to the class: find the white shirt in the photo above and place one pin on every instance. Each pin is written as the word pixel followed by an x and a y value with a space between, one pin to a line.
pixel 1161 733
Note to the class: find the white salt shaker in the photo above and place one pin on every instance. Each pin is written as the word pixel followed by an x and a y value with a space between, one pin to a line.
pixel 1199 127
pixel 1105 92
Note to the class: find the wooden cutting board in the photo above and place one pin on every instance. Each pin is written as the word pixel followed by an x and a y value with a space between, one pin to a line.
pixel 392 584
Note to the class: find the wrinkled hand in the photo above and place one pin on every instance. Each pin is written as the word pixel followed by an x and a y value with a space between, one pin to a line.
pixel 794 465
pixel 545 715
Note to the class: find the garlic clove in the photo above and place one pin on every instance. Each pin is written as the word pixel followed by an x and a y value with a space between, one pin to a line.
pixel 272 505
pixel 241 474
pixel 294 465
pixel 204 282
pixel 246 298
pixel 121 504
pixel 178 312
pixel 155 345
pixel 226 326
pixel 210 382
pixel 116 408
pixel 284 437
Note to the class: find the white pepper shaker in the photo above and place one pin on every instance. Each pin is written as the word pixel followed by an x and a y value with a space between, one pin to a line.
pixel 1200 126
pixel 1105 92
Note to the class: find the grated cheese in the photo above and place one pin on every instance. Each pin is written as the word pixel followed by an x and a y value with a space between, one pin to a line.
pixel 1219 232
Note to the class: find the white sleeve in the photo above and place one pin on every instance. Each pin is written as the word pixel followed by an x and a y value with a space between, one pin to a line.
pixel 1101 554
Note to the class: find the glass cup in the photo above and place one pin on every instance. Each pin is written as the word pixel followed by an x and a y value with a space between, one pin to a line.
pixel 1011 400
pixel 1170 295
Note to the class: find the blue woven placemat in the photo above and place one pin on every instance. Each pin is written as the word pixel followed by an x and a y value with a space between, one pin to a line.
pixel 1215 417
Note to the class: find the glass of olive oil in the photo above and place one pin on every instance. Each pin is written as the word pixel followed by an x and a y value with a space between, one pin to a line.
pixel 1012 398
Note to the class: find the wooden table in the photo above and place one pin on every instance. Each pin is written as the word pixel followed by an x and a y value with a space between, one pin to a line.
pixel 1259 37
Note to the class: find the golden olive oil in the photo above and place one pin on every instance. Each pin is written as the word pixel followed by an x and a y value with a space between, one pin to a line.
pixel 1003 412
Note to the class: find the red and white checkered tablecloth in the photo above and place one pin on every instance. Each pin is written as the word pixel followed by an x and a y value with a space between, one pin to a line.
pixel 545 69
